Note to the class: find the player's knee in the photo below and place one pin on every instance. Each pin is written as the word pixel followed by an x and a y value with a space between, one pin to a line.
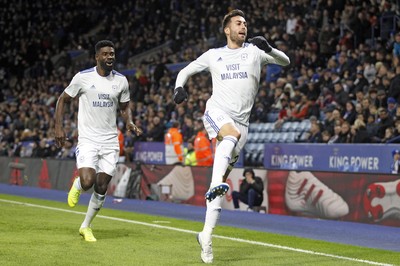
pixel 229 130
pixel 236 134
pixel 86 182
pixel 101 188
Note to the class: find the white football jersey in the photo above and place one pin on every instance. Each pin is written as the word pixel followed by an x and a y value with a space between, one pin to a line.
pixel 99 98
pixel 235 77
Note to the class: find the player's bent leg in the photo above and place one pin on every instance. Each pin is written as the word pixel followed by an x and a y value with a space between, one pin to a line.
pixel 87 234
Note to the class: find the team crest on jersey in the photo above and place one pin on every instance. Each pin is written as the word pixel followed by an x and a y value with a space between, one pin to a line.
pixel 244 56
pixel 114 87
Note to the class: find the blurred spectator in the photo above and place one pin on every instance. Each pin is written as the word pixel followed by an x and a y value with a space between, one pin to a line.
pixel 396 134
pixel 391 107
pixel 174 145
pixel 121 142
pixel 157 130
pixel 129 145
pixel 68 151
pixel 396 45
pixel 360 83
pixel 394 87
pixel 385 121
pixel 345 134
pixel 395 166
pixel 41 149
pixel 341 96
pixel 359 132
pixel 381 99
pixel 315 133
pixel 337 129
pixel 202 145
pixel 190 154
pixel 389 134
pixel 326 135
pixel 349 113
pixel 300 112
pixel 188 128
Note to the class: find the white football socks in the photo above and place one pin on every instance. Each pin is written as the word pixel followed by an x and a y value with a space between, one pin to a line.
pixel 222 157
pixel 213 213
pixel 95 204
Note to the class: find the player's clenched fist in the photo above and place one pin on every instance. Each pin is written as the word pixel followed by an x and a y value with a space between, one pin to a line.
pixel 180 95
pixel 261 43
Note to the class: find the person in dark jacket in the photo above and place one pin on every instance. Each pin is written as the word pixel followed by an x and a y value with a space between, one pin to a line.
pixel 251 190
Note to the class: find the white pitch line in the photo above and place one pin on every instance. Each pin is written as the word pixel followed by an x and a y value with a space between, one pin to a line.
pixel 215 236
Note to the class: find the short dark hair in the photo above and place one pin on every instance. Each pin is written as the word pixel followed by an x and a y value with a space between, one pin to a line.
pixel 103 43
pixel 248 170
pixel 231 14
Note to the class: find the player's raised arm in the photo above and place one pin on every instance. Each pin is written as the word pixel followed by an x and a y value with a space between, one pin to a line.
pixel 276 56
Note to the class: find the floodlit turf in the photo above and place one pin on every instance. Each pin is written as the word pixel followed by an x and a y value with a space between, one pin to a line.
pixel 32 234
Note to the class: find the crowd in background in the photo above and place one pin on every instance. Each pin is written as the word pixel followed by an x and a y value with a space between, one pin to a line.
pixel 344 74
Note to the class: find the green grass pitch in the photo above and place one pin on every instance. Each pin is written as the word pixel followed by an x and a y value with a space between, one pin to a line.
pixel 40 232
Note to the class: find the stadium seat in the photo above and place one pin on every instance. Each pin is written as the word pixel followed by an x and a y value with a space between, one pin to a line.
pixel 291 137
pixel 275 137
pixel 259 127
pixel 263 137
pixel 282 136
pixel 294 126
pixel 303 136
pixel 255 137
pixel 250 137
pixel 264 127
pixel 286 126
pixel 250 147
pixel 304 125
pixel 268 137
pixel 253 127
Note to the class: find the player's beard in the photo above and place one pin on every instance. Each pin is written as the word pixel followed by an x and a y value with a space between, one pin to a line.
pixel 236 38
pixel 105 67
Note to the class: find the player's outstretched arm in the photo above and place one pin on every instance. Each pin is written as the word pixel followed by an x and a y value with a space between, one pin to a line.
pixel 279 57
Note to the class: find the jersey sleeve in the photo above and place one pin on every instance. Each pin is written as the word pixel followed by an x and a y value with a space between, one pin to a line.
pixel 275 57
pixel 74 86
pixel 198 65
pixel 125 95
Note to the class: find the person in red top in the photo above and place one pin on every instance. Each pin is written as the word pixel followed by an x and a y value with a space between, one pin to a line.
pixel 202 146
pixel 173 145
